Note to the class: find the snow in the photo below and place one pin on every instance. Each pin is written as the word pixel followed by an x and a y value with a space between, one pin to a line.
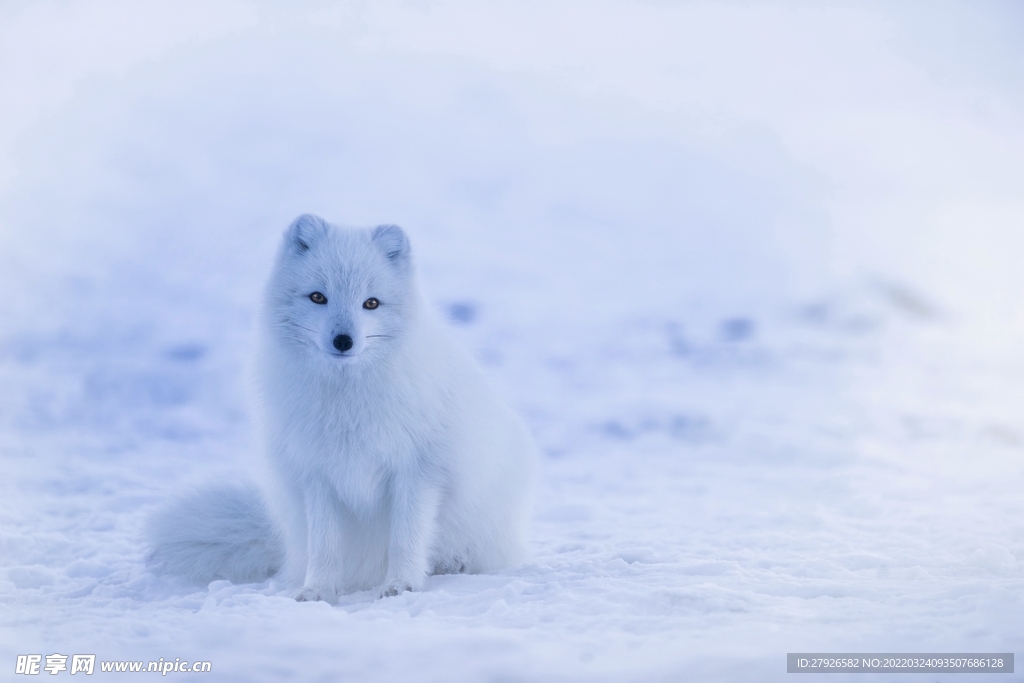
pixel 750 272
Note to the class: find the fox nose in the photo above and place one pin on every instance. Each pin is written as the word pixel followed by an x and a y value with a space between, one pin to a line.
pixel 343 342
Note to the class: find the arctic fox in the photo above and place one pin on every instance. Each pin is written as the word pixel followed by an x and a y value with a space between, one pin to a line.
pixel 389 456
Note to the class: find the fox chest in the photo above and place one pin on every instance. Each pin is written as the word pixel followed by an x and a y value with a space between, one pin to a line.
pixel 362 444
pixel 363 464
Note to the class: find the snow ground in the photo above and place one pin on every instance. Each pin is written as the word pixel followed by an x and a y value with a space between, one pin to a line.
pixel 749 271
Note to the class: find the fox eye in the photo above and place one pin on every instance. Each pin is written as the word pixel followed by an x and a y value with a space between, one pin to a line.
pixel 318 298
pixel 371 304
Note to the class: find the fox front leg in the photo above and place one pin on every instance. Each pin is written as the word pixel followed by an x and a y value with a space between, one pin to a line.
pixel 323 546
pixel 413 521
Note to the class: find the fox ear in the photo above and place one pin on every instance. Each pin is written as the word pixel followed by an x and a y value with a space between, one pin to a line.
pixel 392 241
pixel 304 231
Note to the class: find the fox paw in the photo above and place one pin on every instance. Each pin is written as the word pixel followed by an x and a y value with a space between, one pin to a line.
pixel 393 588
pixel 308 594
pixel 452 566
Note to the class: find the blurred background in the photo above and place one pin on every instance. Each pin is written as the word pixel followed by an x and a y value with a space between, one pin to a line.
pixel 751 271
pixel 594 159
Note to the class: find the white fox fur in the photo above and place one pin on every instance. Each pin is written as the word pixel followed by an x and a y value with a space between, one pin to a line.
pixel 389 456
pixel 223 532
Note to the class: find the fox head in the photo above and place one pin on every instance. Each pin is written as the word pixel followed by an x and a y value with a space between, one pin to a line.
pixel 346 294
